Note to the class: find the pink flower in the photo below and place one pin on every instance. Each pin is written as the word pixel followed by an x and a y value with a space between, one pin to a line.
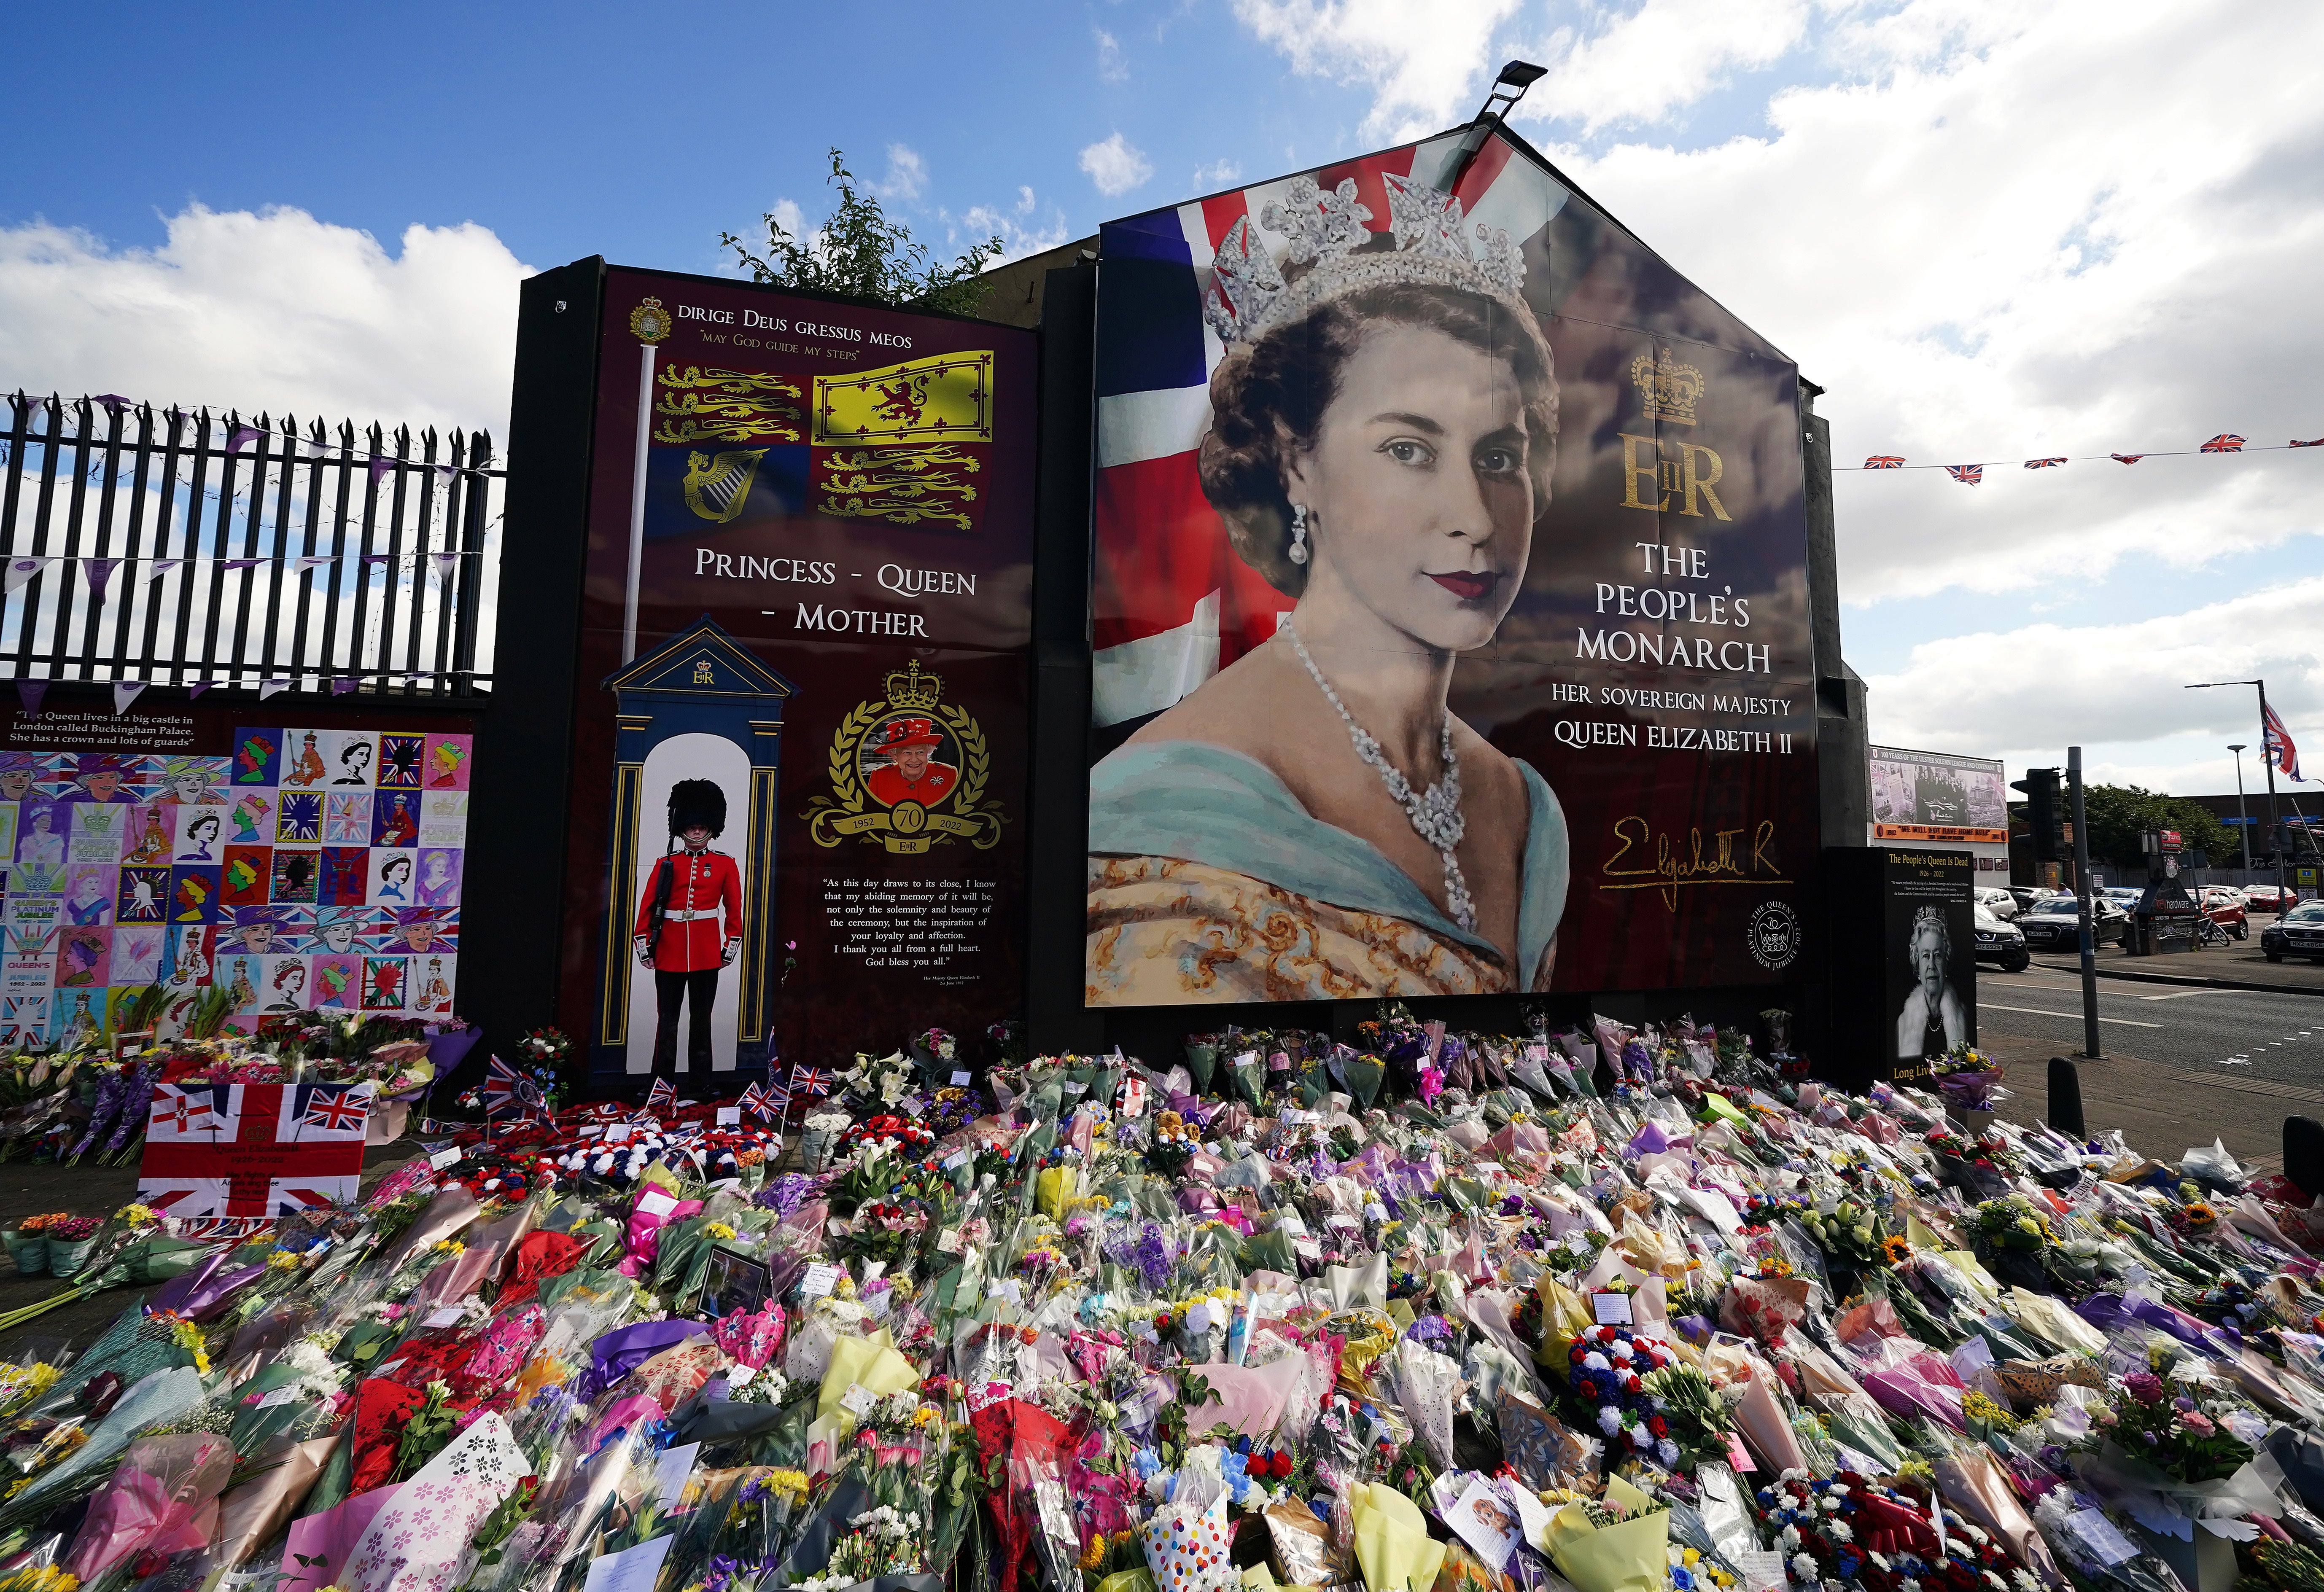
pixel 2198 1423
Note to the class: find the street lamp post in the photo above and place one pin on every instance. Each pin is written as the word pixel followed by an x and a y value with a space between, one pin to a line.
pixel 2243 818
pixel 2267 762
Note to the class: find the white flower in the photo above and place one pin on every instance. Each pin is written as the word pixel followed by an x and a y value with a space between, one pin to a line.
pixel 1609 1420
pixel 1596 1361
pixel 1790 1538
pixel 1803 1567
pixel 2000 1585
pixel 1840 1531
pixel 1666 1451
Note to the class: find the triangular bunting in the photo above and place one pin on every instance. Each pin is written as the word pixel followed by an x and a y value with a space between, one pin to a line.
pixel 267 689
pixel 311 560
pixel 446 563
pixel 125 692
pixel 21 570
pixel 240 563
pixel 159 567
pixel 342 685
pixel 242 438
pixel 381 464
pixel 196 689
pixel 30 692
pixel 98 574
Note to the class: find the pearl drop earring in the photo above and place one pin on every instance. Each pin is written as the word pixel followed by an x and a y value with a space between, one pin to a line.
pixel 1299 533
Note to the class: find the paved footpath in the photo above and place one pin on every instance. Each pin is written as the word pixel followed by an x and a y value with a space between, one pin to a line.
pixel 2185 1063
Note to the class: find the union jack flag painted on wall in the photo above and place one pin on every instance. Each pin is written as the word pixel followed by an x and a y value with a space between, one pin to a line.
pixel 2282 750
pixel 252 1152
pixel 2226 442
pixel 1966 475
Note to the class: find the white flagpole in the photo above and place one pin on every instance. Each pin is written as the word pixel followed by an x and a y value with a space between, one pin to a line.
pixel 638 502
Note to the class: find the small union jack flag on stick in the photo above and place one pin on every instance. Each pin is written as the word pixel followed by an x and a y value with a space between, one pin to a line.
pixel 2226 442
pixel 662 1096
pixel 754 1103
pixel 809 1082
pixel 2043 463
pixel 1966 475
pixel 2126 458
pixel 1885 462
pixel 509 1092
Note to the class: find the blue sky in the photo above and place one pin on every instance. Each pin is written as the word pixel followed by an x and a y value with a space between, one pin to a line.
pixel 1990 230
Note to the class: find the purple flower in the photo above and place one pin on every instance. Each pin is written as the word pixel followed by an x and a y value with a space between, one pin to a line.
pixel 2144 1386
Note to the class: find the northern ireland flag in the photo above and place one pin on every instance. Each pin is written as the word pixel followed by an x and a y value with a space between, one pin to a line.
pixel 252 1152
pixel 1174 604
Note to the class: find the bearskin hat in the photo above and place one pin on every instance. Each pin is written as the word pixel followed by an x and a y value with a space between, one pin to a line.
pixel 696 801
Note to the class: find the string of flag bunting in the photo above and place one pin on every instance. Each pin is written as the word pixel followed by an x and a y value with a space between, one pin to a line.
pixel 98 572
pixel 32 692
pixel 2226 442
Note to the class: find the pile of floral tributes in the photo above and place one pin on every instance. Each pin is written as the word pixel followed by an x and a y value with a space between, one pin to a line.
pixel 1618 1312
pixel 88 1098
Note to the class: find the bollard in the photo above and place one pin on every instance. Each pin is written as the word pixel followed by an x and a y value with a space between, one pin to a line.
pixel 2303 1154
pixel 2066 1098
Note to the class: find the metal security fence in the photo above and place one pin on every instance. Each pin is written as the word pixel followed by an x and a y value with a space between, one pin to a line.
pixel 187 547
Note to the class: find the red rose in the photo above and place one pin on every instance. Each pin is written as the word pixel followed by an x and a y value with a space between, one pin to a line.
pixel 1630 1383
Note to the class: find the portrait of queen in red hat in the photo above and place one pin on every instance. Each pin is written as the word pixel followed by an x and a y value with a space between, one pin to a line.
pixel 909 771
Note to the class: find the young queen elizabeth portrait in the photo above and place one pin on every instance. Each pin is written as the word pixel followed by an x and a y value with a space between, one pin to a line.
pixel 1312 822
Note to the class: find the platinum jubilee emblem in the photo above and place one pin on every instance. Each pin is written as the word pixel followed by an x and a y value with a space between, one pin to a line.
pixel 907 772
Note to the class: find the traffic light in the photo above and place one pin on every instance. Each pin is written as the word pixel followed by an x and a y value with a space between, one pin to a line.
pixel 2044 814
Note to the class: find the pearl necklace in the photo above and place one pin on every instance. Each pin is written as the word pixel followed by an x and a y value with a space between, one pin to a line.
pixel 1435 815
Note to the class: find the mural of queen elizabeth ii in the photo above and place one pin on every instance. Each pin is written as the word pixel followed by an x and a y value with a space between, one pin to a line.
pixel 1312 821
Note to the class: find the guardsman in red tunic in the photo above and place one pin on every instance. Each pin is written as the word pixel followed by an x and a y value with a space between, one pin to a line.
pixel 689 922
pixel 911 772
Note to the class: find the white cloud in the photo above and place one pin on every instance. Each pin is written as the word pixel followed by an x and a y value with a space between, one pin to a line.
pixel 2031 691
pixel 1218 175
pixel 1661 57
pixel 1023 228
pixel 1116 165
pixel 275 311
pixel 907 174
pixel 1112 66
pixel 1424 60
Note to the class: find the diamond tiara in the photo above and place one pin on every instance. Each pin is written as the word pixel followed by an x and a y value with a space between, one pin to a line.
pixel 1324 233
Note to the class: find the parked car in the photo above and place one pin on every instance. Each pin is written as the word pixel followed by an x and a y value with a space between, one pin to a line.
pixel 2124 896
pixel 2268 899
pixel 2000 941
pixel 2298 933
pixel 2055 925
pixel 2221 906
pixel 1999 902
pixel 2027 895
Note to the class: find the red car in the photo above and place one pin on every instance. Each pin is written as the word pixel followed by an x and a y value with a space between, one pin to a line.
pixel 2264 898
pixel 2222 908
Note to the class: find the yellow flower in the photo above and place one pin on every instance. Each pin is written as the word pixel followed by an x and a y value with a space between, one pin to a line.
pixel 450 1247
pixel 137 1215
pixel 282 1260
pixel 719 1229
pixel 923 1415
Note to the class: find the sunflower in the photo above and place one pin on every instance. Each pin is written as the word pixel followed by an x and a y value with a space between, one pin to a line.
pixel 1896 1250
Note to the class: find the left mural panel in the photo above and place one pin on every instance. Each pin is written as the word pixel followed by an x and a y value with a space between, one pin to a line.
pixel 298 860
pixel 806 588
